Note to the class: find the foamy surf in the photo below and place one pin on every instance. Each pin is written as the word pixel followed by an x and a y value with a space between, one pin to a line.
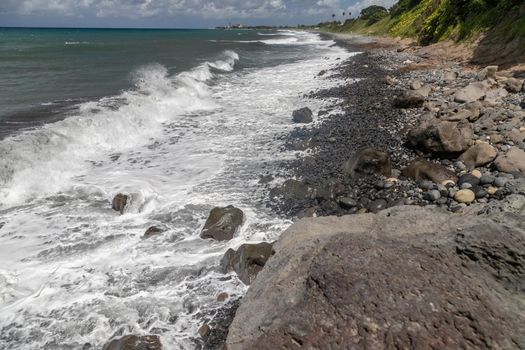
pixel 75 273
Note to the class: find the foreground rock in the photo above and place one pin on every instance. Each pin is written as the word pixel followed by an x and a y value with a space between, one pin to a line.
pixel 303 115
pixel 478 155
pixel 133 342
pixel 405 278
pixel 119 203
pixel 223 223
pixel 473 92
pixel 247 261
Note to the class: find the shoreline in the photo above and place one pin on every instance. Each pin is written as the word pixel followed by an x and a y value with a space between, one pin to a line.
pixel 387 74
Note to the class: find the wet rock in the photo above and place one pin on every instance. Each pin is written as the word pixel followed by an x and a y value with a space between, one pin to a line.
pixel 479 155
pixel 295 190
pixel 406 278
pixel 421 169
pixel 223 223
pixel 222 297
pixel 303 115
pixel 153 231
pixel 247 261
pixel 513 160
pixel 204 330
pixel 465 196
pixel 473 92
pixel 369 161
pixel 442 137
pixel 119 203
pixel 134 342
pixel 409 99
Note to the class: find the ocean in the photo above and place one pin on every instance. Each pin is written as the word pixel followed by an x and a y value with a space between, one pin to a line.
pixel 181 121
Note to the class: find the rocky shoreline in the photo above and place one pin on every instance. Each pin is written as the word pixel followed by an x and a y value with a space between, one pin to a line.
pixel 411 131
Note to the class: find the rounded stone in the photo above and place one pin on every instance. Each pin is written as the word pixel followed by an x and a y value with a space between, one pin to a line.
pixel 476 173
pixel 204 330
pixel 500 181
pixel 466 185
pixel 492 190
pixel 487 180
pixel 222 296
pixel 425 184
pixel 468 178
pixel 465 196
pixel 432 195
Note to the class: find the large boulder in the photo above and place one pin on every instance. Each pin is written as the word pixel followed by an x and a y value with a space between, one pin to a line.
pixel 303 115
pixel 223 223
pixel 488 72
pixel 422 169
pixel 514 85
pixel 119 203
pixel 409 99
pixel 442 137
pixel 406 278
pixel 478 155
pixel 134 342
pixel 369 161
pixel 472 92
pixel 513 160
pixel 247 261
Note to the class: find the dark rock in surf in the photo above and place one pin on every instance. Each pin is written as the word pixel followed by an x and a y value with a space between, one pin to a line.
pixel 134 342
pixel 303 115
pixel 223 223
pixel 152 231
pixel 119 203
pixel 409 99
pixel 247 261
pixel 369 161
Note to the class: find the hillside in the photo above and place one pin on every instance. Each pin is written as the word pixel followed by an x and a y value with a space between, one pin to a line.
pixel 497 28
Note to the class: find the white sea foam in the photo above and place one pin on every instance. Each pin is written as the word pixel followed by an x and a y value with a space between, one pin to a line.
pixel 75 272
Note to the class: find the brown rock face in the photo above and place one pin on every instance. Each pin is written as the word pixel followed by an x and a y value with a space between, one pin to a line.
pixel 222 223
pixel 247 261
pixel 133 342
pixel 513 160
pixel 442 137
pixel 421 169
pixel 119 202
pixel 407 278
pixel 478 155
pixel 369 161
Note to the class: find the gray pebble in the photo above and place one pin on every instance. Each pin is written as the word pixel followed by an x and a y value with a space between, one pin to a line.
pixel 500 181
pixel 425 184
pixel 466 186
pixel 432 195
pixel 487 180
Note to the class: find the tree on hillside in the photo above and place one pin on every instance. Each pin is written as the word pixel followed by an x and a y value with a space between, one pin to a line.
pixel 373 13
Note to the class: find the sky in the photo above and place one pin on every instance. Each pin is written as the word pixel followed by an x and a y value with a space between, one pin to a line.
pixel 174 13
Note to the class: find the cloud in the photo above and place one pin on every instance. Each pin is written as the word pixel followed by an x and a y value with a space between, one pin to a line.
pixel 206 9
pixel 356 8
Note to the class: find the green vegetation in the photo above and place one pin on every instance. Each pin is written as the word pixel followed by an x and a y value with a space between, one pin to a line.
pixel 433 20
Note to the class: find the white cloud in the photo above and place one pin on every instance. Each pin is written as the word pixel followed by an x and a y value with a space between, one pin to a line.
pixel 356 8
pixel 199 8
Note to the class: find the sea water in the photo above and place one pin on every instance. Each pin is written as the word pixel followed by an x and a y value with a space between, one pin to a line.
pixel 179 120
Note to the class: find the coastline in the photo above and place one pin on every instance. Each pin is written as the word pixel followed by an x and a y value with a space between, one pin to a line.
pixel 387 72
